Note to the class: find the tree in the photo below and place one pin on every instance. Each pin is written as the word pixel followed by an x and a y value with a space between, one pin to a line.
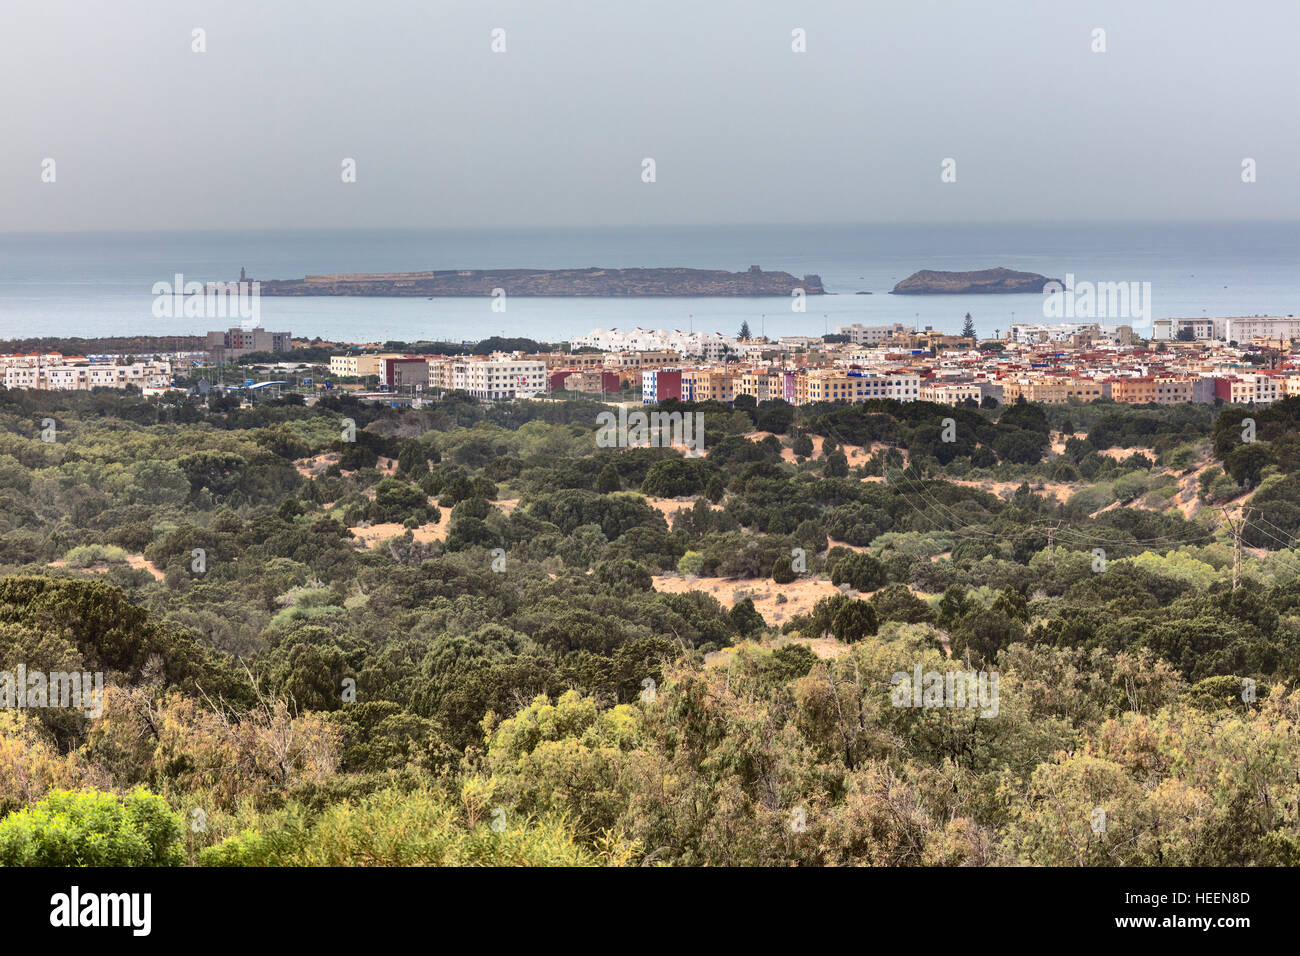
pixel 743 335
pixel 859 571
pixel 745 618
pixel 968 330
pixel 395 500
pixel 608 481
pixel 854 621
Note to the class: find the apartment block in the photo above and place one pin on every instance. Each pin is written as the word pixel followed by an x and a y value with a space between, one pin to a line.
pixel 710 385
pixel 659 385
pixel 590 381
pixel 89 375
pixel 499 376
pixel 399 372
pixel 955 393
pixel 657 358
pixel 573 361
pixel 853 385
pixel 860 334
pixel 357 366
pixel 764 384
pixel 1045 391
pixel 233 343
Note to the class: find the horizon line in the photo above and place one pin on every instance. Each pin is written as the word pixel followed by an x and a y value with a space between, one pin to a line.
pixel 836 224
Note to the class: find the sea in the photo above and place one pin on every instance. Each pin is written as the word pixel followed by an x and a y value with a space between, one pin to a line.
pixel 100 284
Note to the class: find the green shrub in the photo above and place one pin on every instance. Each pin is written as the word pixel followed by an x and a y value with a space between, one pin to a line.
pixel 690 563
pixel 86 555
pixel 93 828
pixel 393 828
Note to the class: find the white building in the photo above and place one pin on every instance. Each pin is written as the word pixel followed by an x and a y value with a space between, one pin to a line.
pixel 1230 329
pixel 711 346
pixel 65 377
pixel 860 334
pixel 1256 388
pixel 498 376
pixel 902 386
pixel 1028 332
pixel 955 393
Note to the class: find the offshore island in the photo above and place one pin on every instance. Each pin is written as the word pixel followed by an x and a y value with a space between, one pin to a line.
pixel 998 281
pixel 555 282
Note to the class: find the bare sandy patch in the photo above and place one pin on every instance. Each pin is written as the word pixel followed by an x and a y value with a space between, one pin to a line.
pixel 1005 489
pixel 1118 453
pixel 800 594
pixel 369 536
pixel 1060 438
pixel 668 507
pixel 856 454
pixel 1189 484
pixel 135 561
pixel 312 467
pixel 825 648
pixel 138 562
pixel 836 543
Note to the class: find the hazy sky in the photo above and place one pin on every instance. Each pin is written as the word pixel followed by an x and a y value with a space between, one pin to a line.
pixel 147 134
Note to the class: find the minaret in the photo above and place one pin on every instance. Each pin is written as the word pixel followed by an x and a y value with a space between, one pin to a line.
pixel 242 277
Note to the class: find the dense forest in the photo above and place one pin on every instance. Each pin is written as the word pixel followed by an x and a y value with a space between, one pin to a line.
pixel 462 634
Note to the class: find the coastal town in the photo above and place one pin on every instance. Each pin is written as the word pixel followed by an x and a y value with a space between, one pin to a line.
pixel 1236 360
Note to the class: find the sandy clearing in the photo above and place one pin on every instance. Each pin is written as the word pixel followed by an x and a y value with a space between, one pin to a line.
pixel 800 594
pixel 824 647
pixel 136 561
pixel 856 454
pixel 1058 443
pixel 836 543
pixel 1005 489
pixel 368 537
pixel 671 506
pixel 311 467
pixel 1118 453
pixel 315 467
pixel 1189 484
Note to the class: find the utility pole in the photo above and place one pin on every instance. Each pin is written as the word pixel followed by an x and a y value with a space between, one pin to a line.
pixel 1051 533
pixel 1238 526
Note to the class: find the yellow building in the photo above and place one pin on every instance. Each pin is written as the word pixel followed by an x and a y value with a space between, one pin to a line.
pixel 1135 391
pixel 358 366
pixel 710 384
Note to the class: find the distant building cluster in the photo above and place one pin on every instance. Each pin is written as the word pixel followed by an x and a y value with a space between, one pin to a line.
pixel 1076 334
pixel 1049 364
pixel 496 376
pixel 230 345
pixel 53 370
pixel 1242 330
pixel 710 346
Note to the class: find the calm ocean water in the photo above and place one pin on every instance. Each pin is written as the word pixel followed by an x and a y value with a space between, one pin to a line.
pixel 99 284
